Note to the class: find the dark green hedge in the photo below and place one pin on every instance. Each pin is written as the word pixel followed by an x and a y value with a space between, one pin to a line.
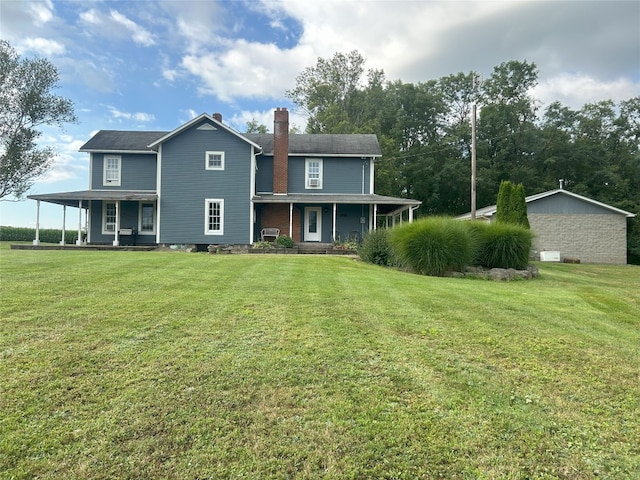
pixel 47 235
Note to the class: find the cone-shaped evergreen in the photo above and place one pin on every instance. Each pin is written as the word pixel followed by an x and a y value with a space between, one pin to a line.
pixel 519 207
pixel 503 205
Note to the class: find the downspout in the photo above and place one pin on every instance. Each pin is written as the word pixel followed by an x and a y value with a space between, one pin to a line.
pixel 252 211
pixel 158 190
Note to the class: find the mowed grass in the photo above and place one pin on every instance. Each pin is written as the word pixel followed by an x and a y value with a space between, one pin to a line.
pixel 194 366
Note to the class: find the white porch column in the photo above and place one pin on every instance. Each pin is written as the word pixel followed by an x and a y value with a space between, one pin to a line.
pixel 64 223
pixel 335 210
pixel 291 220
pixel 375 216
pixel 410 214
pixel 36 241
pixel 116 240
pixel 79 240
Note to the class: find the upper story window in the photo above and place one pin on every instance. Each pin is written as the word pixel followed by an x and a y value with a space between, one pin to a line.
pixel 313 173
pixel 214 161
pixel 112 170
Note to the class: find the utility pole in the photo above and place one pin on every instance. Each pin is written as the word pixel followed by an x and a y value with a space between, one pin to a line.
pixel 473 154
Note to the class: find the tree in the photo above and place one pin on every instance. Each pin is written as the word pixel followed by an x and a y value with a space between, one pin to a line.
pixel 254 127
pixel 26 103
pixel 512 205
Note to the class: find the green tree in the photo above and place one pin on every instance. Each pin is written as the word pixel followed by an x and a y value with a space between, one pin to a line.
pixel 254 127
pixel 504 204
pixel 519 207
pixel 26 103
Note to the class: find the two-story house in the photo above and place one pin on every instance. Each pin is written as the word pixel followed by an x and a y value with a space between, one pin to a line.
pixel 204 183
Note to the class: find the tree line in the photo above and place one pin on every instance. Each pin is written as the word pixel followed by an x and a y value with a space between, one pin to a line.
pixel 424 130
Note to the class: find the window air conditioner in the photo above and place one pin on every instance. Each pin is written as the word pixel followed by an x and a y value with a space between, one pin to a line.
pixel 314 182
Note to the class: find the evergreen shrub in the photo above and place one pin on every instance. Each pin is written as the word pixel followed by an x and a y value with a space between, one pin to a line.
pixel 285 241
pixel 433 245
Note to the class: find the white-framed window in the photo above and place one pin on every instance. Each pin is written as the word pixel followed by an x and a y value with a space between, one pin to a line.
pixel 147 216
pixel 313 173
pixel 214 161
pixel 108 218
pixel 213 216
pixel 112 170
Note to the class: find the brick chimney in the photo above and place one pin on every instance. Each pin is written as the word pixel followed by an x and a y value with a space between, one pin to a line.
pixel 280 150
pixel 218 117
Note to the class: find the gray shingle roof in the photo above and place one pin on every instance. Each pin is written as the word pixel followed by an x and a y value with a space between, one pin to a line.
pixel 299 144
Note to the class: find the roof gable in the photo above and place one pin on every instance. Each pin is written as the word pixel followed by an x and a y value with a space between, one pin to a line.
pixel 210 120
pixel 491 210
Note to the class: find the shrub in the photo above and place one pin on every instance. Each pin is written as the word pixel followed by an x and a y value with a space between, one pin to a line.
pixel 375 248
pixel 432 246
pixel 501 245
pixel 284 241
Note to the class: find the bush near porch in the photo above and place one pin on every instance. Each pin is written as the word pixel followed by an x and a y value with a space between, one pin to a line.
pixel 47 235
pixel 436 245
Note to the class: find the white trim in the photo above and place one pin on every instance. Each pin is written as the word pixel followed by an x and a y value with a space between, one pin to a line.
pixel 90 171
pixel 105 181
pixel 371 176
pixel 207 202
pixel 207 166
pixel 313 183
pixel 158 191
pixel 252 188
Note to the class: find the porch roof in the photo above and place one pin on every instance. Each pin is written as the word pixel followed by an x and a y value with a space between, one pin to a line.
pixel 386 205
pixel 73 199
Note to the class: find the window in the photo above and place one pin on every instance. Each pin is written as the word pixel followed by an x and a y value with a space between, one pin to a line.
pixel 213 216
pixel 313 173
pixel 214 161
pixel 147 218
pixel 108 218
pixel 112 165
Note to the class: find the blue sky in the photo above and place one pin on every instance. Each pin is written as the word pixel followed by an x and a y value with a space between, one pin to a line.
pixel 153 65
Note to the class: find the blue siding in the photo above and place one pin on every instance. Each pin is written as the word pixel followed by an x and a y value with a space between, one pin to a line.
pixel 138 172
pixel 339 175
pixel 128 219
pixel 264 175
pixel 186 184
pixel 564 204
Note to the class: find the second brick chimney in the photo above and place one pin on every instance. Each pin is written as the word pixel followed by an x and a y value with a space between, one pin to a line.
pixel 280 150
pixel 217 116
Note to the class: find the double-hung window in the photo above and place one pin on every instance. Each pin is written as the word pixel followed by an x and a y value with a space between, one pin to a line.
pixel 214 161
pixel 213 216
pixel 108 218
pixel 313 173
pixel 112 170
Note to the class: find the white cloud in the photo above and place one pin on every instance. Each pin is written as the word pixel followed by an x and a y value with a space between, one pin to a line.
pixel 68 163
pixel 137 116
pixel 91 16
pixel 42 12
pixel 41 46
pixel 139 34
pixel 575 90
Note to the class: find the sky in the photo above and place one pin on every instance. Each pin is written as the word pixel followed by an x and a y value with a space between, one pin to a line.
pixel 153 65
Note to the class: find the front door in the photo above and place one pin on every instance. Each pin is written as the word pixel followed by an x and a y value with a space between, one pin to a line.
pixel 312 224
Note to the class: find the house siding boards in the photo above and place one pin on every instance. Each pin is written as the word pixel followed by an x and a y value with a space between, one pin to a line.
pixel 339 175
pixel 564 204
pixel 264 174
pixel 137 171
pixel 186 184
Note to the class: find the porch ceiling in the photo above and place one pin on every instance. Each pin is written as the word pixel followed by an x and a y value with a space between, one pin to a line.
pixel 385 204
pixel 73 199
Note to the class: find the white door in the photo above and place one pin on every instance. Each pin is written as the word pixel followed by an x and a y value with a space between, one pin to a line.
pixel 312 224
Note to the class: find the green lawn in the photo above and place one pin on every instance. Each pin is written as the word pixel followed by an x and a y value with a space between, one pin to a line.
pixel 194 366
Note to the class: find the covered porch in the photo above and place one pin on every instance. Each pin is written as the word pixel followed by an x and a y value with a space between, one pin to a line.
pixel 82 200
pixel 329 217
